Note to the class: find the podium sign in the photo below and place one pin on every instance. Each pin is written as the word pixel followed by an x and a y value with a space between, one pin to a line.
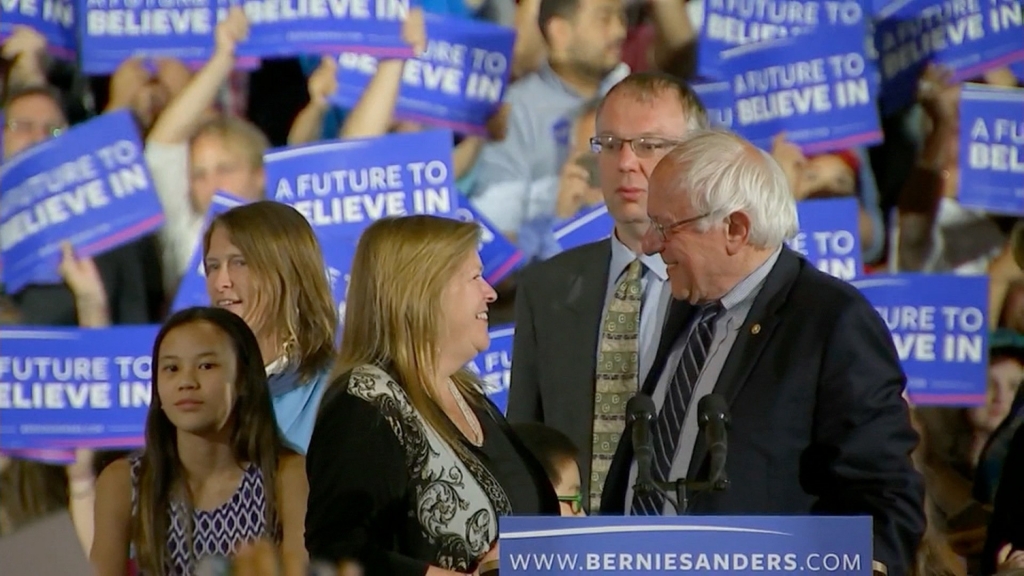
pixel 671 544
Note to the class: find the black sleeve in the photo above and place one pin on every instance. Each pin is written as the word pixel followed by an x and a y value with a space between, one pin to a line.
pixel 860 459
pixel 524 403
pixel 358 480
pixel 1006 527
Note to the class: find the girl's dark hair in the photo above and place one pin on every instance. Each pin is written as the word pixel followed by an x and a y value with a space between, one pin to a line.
pixel 254 439
pixel 551 447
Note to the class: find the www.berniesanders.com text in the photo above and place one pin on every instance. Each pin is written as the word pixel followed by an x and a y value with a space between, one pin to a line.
pixel 626 562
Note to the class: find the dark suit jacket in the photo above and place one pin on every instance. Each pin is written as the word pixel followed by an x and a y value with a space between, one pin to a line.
pixel 818 423
pixel 559 304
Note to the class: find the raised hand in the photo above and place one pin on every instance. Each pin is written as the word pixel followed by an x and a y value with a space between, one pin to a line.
pixel 231 31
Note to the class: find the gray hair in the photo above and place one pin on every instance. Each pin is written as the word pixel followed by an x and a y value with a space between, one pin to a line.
pixel 723 173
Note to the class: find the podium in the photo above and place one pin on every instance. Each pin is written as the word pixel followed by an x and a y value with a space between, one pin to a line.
pixel 731 545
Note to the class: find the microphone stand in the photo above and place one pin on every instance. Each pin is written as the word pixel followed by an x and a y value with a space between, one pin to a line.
pixel 678 492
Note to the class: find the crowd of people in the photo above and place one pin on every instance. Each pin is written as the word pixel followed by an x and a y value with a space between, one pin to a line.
pixel 363 441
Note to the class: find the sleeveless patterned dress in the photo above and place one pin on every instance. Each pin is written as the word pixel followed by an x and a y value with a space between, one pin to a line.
pixel 217 532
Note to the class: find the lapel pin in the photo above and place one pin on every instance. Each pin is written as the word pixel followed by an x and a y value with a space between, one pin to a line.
pixel 755 329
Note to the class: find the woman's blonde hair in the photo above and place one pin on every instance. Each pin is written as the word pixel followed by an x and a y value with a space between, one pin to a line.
pixel 393 315
pixel 292 297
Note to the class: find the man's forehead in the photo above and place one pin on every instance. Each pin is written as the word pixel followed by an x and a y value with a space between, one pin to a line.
pixel 36 107
pixel 627 105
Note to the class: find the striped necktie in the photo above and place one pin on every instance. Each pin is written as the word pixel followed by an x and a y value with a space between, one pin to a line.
pixel 668 426
pixel 616 377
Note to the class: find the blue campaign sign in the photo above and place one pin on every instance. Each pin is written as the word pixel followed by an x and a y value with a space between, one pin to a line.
pixel 1018 71
pixel 111 31
pixel 992 148
pixel 294 27
pixel 54 19
pixel 535 545
pixel 499 255
pixel 338 249
pixel 969 38
pixel 457 83
pixel 345 185
pixel 192 288
pixel 63 388
pixel 90 187
pixel 494 366
pixel 728 23
pixel 818 88
pixel 718 101
pixel 591 225
pixel 829 236
pixel 939 326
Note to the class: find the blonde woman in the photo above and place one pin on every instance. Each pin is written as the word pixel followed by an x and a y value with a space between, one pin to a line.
pixel 410 465
pixel 263 263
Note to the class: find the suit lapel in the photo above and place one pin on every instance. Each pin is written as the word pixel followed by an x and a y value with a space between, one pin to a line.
pixel 675 321
pixel 750 341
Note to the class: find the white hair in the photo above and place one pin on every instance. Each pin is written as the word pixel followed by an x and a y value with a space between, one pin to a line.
pixel 723 173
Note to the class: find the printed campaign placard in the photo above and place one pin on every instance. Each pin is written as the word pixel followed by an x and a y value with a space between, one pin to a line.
pixel 113 31
pixel 494 366
pixel 54 19
pixel 192 288
pixel 939 326
pixel 345 185
pixel 457 83
pixel 718 101
pixel 829 236
pixel 731 23
pixel 1018 71
pixel 591 225
pixel 338 249
pixel 295 27
pixel 499 255
pixel 968 37
pixel 818 88
pixel 90 186
pixel 654 545
pixel 992 148
pixel 63 388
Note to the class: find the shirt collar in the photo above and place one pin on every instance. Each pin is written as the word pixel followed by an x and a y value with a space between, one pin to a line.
pixel 622 256
pixel 749 286
pixel 277 366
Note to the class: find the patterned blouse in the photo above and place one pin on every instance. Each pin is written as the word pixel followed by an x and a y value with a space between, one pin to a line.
pixel 217 532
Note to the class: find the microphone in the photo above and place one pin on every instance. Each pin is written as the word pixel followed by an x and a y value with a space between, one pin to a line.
pixel 713 417
pixel 640 412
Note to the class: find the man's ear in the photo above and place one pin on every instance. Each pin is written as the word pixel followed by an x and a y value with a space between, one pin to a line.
pixel 737 232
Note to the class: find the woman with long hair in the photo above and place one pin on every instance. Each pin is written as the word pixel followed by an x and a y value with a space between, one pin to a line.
pixel 213 474
pixel 410 465
pixel 263 263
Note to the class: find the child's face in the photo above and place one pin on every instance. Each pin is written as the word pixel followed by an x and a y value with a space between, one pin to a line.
pixel 568 487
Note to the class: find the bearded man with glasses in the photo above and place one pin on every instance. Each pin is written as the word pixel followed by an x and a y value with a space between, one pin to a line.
pixel 589 321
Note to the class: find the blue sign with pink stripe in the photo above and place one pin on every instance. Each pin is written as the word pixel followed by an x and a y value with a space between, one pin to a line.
pixel 89 187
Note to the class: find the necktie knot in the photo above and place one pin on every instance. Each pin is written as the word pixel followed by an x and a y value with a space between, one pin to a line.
pixel 634 270
pixel 709 311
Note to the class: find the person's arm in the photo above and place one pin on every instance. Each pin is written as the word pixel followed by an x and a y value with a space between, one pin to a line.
pixel 860 458
pixel 179 120
pixel 113 516
pixel 524 404
pixel 82 496
pixel 373 113
pixel 86 285
pixel 358 489
pixel 26 49
pixel 322 84
pixel 529 50
pixel 675 40
pixel 292 492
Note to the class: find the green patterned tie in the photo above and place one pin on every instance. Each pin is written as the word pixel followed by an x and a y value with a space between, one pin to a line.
pixel 616 377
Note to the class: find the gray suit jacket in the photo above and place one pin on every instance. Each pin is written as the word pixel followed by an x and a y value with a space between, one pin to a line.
pixel 559 303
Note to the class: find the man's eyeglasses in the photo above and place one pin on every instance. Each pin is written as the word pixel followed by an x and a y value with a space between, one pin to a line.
pixel 26 126
pixel 643 147
pixel 664 230
pixel 575 502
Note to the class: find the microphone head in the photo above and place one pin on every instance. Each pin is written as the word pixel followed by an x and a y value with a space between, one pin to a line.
pixel 640 406
pixel 712 406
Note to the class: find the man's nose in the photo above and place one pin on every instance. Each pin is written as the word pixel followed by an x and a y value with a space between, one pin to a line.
pixel 651 242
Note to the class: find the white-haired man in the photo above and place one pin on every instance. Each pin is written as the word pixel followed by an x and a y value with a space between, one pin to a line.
pixel 807 368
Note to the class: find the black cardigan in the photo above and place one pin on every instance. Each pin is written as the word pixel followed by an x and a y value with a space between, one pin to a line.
pixel 360 491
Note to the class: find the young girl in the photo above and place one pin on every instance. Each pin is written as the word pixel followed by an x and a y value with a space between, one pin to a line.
pixel 213 474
